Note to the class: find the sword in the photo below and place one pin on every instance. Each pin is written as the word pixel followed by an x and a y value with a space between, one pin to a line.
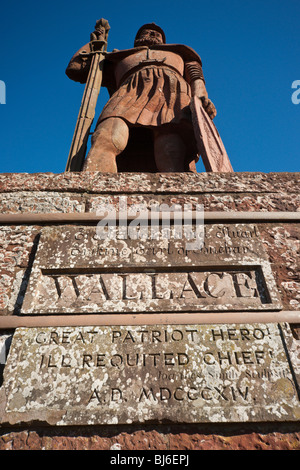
pixel 88 104
pixel 209 142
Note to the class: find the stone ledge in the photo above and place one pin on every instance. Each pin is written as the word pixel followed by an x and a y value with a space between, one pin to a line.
pixel 109 183
pixel 9 322
pixel 168 438
pixel 29 218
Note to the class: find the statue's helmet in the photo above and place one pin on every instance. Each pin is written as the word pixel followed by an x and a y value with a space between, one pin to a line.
pixel 153 27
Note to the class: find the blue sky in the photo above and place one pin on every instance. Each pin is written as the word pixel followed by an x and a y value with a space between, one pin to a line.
pixel 250 51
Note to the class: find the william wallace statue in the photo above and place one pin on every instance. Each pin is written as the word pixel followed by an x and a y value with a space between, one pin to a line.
pixel 147 123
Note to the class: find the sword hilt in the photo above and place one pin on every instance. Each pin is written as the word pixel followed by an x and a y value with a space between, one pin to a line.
pixel 96 47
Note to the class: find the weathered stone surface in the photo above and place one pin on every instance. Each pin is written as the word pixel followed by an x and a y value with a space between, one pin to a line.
pixel 115 375
pixel 77 272
pixel 162 438
pixel 282 243
pixel 175 183
pixel 248 202
pixel 16 244
pixel 61 202
pixel 42 202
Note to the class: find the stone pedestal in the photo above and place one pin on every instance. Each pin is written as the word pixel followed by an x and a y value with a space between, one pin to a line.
pixel 149 324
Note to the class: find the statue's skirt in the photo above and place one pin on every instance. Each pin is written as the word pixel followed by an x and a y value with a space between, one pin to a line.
pixel 154 96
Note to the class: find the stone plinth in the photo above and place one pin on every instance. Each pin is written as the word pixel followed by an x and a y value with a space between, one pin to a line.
pixel 187 374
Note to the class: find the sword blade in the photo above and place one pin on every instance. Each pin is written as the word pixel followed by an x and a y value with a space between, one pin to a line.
pixel 86 114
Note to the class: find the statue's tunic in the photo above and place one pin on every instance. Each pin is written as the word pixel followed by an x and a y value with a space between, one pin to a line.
pixel 148 86
pixel 152 84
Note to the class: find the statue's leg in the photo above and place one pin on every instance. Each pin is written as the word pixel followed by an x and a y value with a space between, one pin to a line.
pixel 169 152
pixel 109 140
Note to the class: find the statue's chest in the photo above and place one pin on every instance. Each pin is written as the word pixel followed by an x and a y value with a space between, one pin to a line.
pixel 148 57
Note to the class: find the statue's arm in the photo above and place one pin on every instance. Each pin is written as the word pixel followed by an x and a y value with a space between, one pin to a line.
pixel 79 65
pixel 194 74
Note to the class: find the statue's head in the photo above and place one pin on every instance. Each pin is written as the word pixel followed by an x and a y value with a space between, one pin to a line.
pixel 149 34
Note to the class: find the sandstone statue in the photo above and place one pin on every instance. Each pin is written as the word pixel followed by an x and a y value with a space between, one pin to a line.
pixel 147 123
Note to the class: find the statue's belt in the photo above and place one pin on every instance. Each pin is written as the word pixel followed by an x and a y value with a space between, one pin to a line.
pixel 148 64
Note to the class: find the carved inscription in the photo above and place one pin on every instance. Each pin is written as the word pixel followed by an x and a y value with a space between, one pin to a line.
pixel 75 272
pixel 187 373
pixel 129 286
pixel 83 246
pixel 151 291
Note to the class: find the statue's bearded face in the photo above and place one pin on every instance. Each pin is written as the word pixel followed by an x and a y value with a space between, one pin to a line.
pixel 148 37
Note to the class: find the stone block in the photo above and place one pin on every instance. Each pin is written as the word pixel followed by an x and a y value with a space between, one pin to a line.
pixel 139 374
